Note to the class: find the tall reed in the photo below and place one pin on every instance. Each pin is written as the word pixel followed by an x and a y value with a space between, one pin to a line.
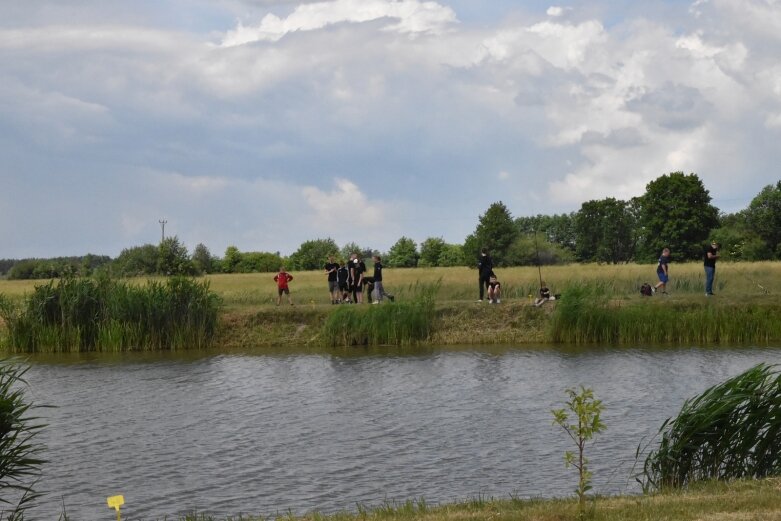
pixel 392 323
pixel 82 314
pixel 585 314
pixel 732 430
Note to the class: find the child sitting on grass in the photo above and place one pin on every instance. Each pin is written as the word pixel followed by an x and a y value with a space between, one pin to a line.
pixel 494 289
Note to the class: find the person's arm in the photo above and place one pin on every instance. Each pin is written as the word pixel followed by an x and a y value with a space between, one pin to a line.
pixel 289 277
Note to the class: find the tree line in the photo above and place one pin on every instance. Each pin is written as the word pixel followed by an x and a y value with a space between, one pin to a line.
pixel 674 212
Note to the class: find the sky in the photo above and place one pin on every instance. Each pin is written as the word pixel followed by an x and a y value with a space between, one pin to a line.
pixel 265 123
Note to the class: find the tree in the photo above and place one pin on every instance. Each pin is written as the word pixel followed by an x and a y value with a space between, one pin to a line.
pixel 259 262
pixel 350 248
pixel 675 212
pixel 173 258
pixel 138 260
pixel 604 231
pixel 451 255
pixel 203 259
pixel 231 259
pixel 312 255
pixel 403 254
pixel 525 251
pixel 430 250
pixel 495 231
pixel 557 229
pixel 763 215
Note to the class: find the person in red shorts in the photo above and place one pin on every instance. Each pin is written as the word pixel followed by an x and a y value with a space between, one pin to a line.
pixel 282 278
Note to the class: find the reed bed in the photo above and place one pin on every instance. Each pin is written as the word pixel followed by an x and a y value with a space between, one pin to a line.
pixel 587 314
pixel 401 323
pixel 731 431
pixel 82 314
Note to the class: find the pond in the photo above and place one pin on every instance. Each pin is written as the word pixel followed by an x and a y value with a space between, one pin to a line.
pixel 267 433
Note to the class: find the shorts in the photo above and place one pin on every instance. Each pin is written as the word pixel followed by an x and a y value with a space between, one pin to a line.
pixel 358 288
pixel 332 285
pixel 343 286
pixel 284 290
pixel 662 276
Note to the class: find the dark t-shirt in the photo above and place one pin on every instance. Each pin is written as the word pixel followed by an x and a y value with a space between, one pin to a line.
pixel 709 261
pixel 358 268
pixel 331 266
pixel 485 265
pixel 378 272
pixel 663 260
pixel 343 275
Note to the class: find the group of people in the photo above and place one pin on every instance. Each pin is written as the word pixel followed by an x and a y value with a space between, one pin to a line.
pixel 346 282
pixel 710 256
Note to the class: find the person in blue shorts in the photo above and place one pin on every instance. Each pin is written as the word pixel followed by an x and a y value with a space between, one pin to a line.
pixel 663 271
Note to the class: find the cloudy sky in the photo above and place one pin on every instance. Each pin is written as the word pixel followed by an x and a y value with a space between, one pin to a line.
pixel 265 123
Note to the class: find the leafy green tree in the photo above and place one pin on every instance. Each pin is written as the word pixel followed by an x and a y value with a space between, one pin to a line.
pixel 430 250
pixel 259 262
pixel 526 252
pixel 763 215
pixel 604 231
pixel 312 255
pixel 350 248
pixel 403 254
pixel 231 259
pixel 203 259
pixel 173 258
pixel 135 261
pixel 675 212
pixel 557 229
pixel 451 255
pixel 496 231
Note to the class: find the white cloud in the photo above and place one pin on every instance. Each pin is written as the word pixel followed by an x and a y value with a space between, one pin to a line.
pixel 557 11
pixel 411 16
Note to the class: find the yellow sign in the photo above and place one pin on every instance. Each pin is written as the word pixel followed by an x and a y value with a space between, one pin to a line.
pixel 115 502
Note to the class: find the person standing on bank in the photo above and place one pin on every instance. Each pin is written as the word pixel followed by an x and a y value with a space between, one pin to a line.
pixel 379 290
pixel 357 268
pixel 711 256
pixel 333 285
pixel 663 271
pixel 282 279
pixel 485 265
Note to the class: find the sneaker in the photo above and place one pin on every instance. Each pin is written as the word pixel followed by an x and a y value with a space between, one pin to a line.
pixel 480 301
pixel 498 301
pixel 376 302
pixel 653 290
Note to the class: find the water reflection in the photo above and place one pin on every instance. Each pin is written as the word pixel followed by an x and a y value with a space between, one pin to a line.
pixel 264 432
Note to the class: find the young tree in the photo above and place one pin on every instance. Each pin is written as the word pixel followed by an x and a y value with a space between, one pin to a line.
pixel 675 212
pixel 231 259
pixel 203 259
pixel 495 231
pixel 312 255
pixel 403 254
pixel 451 255
pixel 135 261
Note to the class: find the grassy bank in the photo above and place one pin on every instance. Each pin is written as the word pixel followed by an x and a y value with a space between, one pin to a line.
pixel 741 500
pixel 744 310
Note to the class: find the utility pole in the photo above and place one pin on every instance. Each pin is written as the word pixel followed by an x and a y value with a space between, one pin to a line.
pixel 162 225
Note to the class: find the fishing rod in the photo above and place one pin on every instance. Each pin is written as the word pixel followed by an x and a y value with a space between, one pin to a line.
pixel 537 251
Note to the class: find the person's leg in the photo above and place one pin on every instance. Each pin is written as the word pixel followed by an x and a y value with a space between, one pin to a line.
pixel 279 297
pixel 378 291
pixel 709 279
pixel 498 293
pixel 483 283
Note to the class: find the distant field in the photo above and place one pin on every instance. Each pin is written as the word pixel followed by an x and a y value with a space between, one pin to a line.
pixel 741 281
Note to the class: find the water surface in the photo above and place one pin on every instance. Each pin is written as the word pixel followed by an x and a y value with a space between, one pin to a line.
pixel 261 434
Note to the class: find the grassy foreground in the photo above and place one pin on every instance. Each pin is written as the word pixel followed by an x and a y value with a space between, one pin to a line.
pixel 748 298
pixel 758 500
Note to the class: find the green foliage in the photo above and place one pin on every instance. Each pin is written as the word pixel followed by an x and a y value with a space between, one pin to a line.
pixel 90 314
pixel 585 424
pixel 231 259
pixel 604 231
pixel 403 254
pixel 312 255
pixel 763 215
pixel 730 431
pixel 675 212
pixel 451 255
pixel 526 252
pixel 55 267
pixel 203 260
pixel 20 455
pixel 173 258
pixel 250 262
pixel 430 251
pixel 401 323
pixel 136 261
pixel 558 229
pixel 495 231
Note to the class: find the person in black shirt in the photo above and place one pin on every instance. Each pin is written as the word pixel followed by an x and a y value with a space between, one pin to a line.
pixel 333 285
pixel 343 279
pixel 379 289
pixel 357 269
pixel 710 258
pixel 485 265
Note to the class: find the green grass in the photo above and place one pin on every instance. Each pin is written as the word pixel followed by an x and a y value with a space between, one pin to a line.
pixel 104 315
pixel 713 501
